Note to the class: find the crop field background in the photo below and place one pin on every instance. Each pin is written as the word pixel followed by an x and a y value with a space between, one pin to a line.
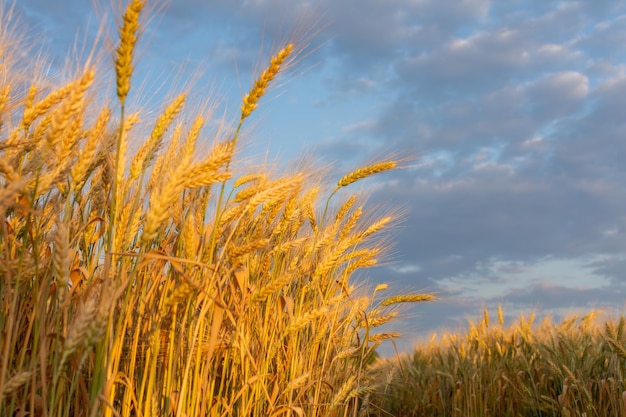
pixel 571 368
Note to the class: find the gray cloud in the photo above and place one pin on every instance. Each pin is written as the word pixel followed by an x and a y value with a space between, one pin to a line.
pixel 557 95
pixel 561 297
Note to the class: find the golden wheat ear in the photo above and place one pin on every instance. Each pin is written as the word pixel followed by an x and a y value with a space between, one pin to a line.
pixel 125 50
pixel 260 86
pixel 365 172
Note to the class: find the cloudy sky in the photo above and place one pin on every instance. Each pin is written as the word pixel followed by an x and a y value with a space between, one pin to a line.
pixel 516 109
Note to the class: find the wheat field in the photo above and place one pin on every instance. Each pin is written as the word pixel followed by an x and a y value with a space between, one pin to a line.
pixel 574 367
pixel 142 275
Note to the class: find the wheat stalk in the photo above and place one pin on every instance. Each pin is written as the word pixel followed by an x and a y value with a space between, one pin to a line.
pixel 32 110
pixel 350 223
pixel 342 395
pixel 251 99
pixel 71 105
pixel 407 298
pixel 379 337
pixel 364 173
pixel 122 147
pixel 87 156
pixel 190 236
pixel 308 201
pixel 125 50
pixel 145 155
pixel 8 171
pixel 245 179
pixel 85 330
pixel 305 319
pixel 206 172
pixel 69 117
pixel 273 287
pixel 380 320
pixel 192 136
pixel 9 193
pixel 199 175
pixel 15 382
pixel 61 259
pixel 5 98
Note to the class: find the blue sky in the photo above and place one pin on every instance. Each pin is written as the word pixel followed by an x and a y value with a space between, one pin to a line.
pixel 516 109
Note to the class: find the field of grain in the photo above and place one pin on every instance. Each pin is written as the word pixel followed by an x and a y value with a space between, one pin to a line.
pixel 572 368
pixel 144 275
